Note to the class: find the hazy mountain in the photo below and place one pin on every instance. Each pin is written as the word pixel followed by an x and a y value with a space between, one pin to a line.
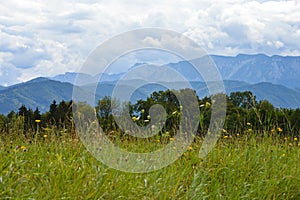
pixel 70 77
pixel 2 87
pixel 282 70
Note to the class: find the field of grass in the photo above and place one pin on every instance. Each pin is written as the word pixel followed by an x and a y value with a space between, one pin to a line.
pixel 239 167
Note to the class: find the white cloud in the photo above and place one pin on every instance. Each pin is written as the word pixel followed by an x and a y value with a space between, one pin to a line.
pixel 44 38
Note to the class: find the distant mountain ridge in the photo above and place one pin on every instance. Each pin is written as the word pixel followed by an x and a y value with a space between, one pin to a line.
pixel 70 77
pixel 281 70
pixel 40 92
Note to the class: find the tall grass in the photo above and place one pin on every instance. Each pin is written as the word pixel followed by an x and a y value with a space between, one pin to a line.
pixel 239 167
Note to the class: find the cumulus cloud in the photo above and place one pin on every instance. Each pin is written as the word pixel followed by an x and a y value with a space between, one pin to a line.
pixel 45 38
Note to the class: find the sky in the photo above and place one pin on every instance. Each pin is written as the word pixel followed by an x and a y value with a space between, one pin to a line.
pixel 46 38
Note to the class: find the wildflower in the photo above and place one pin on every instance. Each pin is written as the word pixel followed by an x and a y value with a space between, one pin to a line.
pixel 250 130
pixel 148 117
pixel 273 130
pixel 226 136
pixel 146 120
pixel 167 133
pixel 135 118
pixel 45 136
pixel 298 144
pixel 153 127
pixel 23 148
pixel 143 110
pixel 172 139
pixel 190 148
pixel 290 144
pixel 279 129
pixel 283 155
pixel 248 124
pixel 173 113
pixel 237 134
pixel 207 105
pixel 158 141
pixel 295 139
pixel 37 120
pixel 285 138
pixel 224 131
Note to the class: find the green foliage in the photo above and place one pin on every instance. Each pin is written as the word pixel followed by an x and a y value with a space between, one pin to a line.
pixel 244 114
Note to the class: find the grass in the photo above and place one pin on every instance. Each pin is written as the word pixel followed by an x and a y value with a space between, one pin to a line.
pixel 242 167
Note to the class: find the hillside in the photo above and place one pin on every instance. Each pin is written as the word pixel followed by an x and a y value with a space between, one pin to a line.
pixel 38 92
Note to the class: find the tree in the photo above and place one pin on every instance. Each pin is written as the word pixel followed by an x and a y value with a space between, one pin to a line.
pixel 243 99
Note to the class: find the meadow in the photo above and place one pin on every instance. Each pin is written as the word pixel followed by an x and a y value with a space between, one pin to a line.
pixel 256 157
pixel 248 166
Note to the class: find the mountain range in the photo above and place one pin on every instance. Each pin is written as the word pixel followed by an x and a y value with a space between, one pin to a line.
pixel 273 78
pixel 281 70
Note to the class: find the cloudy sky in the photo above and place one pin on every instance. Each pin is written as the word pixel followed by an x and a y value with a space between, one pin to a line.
pixel 45 38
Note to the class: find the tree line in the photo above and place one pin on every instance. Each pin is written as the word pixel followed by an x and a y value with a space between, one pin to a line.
pixel 244 115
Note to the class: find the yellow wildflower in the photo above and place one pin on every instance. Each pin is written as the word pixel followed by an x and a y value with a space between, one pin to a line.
pixel 37 120
pixel 135 119
pixel 296 139
pixel 207 105
pixel 45 136
pixel 285 138
pixel 226 136
pixel 224 131
pixel 23 148
pixel 279 129
pixel 172 139
pixel 158 141
pixel 273 130
pixel 283 155
pixel 190 148
pixel 248 123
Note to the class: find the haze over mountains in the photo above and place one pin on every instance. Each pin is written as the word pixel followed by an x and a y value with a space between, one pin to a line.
pixel 274 78
pixel 282 70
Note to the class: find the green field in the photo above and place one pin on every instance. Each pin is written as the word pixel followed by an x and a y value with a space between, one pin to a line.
pixel 239 167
